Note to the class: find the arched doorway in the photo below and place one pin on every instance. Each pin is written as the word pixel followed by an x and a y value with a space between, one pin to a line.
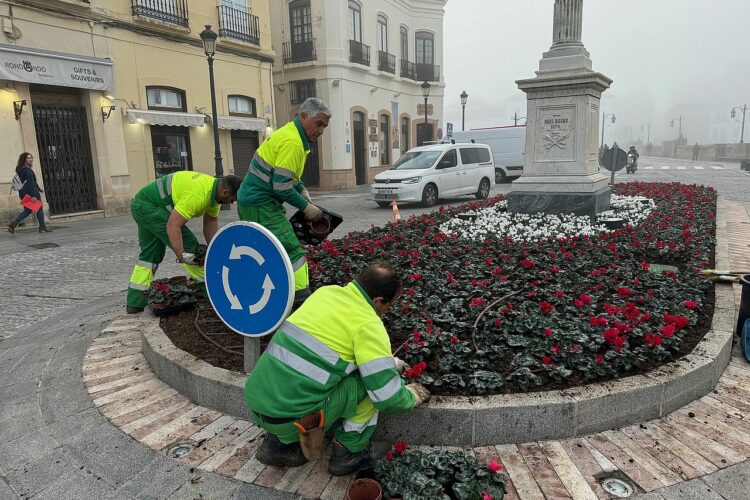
pixel 360 147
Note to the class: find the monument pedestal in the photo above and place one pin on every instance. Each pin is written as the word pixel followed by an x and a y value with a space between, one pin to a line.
pixel 561 172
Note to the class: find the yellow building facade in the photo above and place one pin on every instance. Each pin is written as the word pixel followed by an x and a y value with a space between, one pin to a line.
pixel 110 94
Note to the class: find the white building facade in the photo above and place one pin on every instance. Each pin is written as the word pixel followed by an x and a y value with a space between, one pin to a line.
pixel 367 60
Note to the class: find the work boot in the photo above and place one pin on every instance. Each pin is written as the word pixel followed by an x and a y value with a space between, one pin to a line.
pixel 133 310
pixel 274 452
pixel 12 227
pixel 344 462
pixel 43 229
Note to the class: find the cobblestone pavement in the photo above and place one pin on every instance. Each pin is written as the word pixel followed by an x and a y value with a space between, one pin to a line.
pixel 55 444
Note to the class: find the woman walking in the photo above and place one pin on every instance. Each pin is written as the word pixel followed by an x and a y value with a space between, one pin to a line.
pixel 31 188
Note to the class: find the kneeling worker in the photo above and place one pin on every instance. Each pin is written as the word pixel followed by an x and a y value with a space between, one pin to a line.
pixel 161 209
pixel 331 358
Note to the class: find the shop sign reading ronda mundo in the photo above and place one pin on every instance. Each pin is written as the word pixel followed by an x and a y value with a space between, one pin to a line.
pixel 55 68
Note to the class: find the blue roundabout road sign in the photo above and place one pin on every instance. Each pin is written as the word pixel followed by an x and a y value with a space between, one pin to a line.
pixel 249 278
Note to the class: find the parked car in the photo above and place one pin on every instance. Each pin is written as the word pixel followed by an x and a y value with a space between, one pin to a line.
pixel 508 146
pixel 427 173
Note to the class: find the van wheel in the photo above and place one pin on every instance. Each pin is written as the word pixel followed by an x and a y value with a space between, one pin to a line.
pixel 429 195
pixel 383 204
pixel 500 177
pixel 484 189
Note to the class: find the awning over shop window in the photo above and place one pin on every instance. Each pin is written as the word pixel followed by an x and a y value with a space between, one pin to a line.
pixel 240 123
pixel 170 118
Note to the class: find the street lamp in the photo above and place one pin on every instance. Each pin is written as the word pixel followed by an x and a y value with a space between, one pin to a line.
pixel 425 93
pixel 679 137
pixel 604 123
pixel 734 114
pixel 464 97
pixel 209 37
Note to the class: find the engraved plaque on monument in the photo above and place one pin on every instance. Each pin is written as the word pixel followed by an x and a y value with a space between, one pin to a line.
pixel 555 139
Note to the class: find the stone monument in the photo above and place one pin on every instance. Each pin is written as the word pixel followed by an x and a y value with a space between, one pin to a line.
pixel 561 172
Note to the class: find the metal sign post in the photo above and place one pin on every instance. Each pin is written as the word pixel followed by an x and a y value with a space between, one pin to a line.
pixel 250 283
pixel 614 160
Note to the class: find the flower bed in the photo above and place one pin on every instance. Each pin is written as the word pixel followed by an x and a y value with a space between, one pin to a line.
pixel 490 307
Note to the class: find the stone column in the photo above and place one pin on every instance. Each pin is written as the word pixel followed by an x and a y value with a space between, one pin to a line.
pixel 568 22
pixel 561 171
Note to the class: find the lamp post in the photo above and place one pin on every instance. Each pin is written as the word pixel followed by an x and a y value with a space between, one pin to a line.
pixel 734 114
pixel 515 118
pixel 425 93
pixel 604 123
pixel 464 97
pixel 679 137
pixel 209 37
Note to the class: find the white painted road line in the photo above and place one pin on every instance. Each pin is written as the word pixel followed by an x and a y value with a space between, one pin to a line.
pixel 665 168
pixel 700 168
pixel 648 168
pixel 681 168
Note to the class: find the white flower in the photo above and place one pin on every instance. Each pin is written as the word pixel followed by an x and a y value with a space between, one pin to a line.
pixel 492 222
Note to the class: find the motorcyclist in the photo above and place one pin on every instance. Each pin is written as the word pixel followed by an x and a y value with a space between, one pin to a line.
pixel 635 155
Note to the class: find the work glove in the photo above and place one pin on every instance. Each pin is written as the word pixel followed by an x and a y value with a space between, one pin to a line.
pixel 306 195
pixel 401 365
pixel 312 212
pixel 187 258
pixel 421 394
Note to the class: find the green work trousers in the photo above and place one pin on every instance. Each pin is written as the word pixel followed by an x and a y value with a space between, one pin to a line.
pixel 273 218
pixel 348 410
pixel 153 242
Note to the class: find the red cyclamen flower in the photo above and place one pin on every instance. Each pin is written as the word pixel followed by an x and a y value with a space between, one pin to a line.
pixel 494 465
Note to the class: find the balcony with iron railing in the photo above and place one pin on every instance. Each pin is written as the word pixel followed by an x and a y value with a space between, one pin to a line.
pixel 386 62
pixel 298 52
pixel 427 72
pixel 239 25
pixel 408 69
pixel 359 52
pixel 167 11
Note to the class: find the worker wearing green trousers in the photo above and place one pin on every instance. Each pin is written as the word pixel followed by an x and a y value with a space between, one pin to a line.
pixel 161 209
pixel 275 177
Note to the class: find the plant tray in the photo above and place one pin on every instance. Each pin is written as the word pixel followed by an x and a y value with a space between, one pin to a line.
pixel 315 233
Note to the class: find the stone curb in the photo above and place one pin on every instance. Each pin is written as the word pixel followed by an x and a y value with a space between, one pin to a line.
pixel 499 419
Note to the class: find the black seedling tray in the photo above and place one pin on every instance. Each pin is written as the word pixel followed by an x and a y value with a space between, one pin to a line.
pixel 306 232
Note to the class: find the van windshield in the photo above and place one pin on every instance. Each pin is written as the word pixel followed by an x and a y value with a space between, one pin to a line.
pixel 416 160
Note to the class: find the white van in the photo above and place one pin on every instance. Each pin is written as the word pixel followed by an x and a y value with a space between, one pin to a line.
pixel 427 173
pixel 508 145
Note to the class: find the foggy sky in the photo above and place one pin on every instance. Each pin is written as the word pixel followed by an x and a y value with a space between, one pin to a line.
pixel 667 58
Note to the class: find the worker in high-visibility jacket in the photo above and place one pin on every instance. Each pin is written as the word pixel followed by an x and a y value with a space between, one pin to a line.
pixel 275 177
pixel 332 355
pixel 161 209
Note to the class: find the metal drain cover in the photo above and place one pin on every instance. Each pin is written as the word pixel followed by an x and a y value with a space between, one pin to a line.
pixel 617 487
pixel 180 450
pixel 42 246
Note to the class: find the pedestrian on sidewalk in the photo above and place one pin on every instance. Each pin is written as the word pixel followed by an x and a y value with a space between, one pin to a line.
pixel 275 177
pixel 161 209
pixel 696 151
pixel 30 187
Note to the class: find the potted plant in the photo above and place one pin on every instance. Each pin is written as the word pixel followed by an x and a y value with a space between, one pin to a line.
pixel 170 295
pixel 444 475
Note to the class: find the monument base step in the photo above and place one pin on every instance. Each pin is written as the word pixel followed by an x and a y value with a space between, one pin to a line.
pixel 591 204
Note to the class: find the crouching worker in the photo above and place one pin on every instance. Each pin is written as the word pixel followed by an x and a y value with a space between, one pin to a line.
pixel 330 364
pixel 161 209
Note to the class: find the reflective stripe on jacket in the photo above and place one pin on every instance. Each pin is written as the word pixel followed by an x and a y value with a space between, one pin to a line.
pixel 275 172
pixel 191 194
pixel 335 333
